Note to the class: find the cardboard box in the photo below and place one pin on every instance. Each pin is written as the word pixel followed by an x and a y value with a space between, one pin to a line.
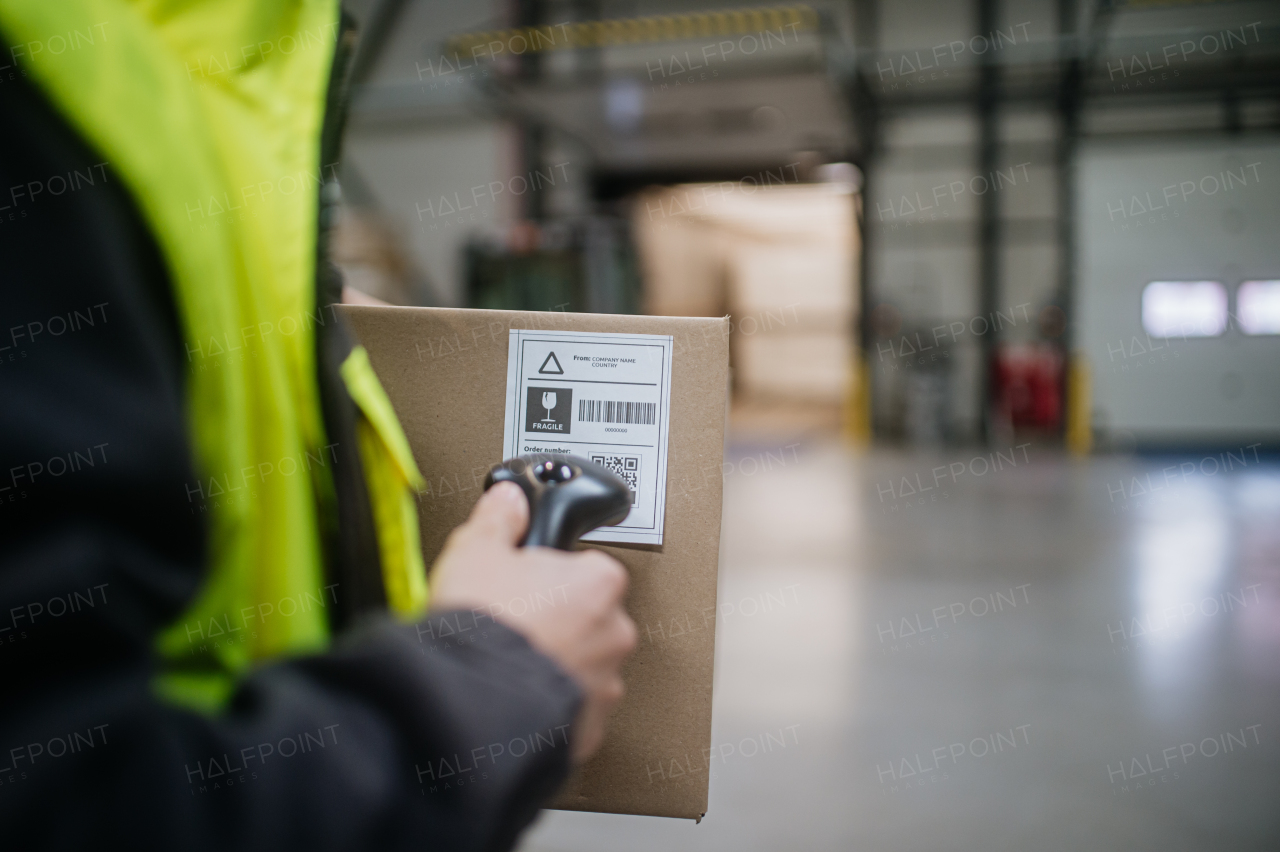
pixel 445 370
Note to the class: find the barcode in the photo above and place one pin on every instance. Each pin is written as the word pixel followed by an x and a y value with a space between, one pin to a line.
pixel 612 411
pixel 626 467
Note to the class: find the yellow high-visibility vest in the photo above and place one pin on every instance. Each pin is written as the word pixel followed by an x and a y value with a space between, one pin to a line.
pixel 210 112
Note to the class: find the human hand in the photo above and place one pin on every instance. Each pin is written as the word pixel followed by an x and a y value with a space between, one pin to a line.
pixel 585 629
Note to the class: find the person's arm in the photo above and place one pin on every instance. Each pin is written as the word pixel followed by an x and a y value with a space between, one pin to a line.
pixel 399 738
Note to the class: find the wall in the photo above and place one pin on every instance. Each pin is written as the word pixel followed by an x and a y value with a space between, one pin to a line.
pixel 419 176
pixel 1208 390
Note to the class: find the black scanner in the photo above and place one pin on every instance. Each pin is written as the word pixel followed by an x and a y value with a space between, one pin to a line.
pixel 568 496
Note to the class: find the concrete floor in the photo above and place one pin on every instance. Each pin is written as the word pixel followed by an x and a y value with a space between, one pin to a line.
pixel 1044 655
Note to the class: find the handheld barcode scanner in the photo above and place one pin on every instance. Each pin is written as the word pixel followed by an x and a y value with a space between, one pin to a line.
pixel 568 497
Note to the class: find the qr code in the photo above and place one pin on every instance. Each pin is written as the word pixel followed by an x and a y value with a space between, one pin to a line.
pixel 626 467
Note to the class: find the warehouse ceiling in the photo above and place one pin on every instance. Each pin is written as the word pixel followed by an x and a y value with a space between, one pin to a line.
pixel 712 96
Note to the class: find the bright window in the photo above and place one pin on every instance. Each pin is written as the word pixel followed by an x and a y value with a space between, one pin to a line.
pixel 1184 308
pixel 1258 306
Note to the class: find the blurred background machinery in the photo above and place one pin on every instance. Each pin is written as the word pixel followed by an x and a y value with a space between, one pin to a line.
pixel 956 205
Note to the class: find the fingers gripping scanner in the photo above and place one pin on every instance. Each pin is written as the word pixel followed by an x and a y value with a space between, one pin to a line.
pixel 568 496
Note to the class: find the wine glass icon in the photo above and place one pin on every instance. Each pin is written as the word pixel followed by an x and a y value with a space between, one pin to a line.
pixel 548 402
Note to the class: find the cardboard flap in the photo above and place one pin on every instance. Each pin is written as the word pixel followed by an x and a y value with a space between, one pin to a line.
pixel 445 372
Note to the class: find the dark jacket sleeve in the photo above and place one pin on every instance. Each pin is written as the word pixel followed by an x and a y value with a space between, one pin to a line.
pixel 444 735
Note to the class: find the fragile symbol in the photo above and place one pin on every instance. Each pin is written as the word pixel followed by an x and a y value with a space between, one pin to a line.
pixel 558 405
pixel 552 361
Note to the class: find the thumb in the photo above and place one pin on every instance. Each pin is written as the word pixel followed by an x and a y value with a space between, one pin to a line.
pixel 502 514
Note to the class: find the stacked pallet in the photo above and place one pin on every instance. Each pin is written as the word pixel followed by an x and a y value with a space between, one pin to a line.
pixel 781 261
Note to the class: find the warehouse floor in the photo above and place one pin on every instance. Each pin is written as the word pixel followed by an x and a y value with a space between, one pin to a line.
pixel 970 651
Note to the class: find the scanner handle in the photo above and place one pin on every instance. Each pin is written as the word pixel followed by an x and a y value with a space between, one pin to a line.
pixel 568 496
